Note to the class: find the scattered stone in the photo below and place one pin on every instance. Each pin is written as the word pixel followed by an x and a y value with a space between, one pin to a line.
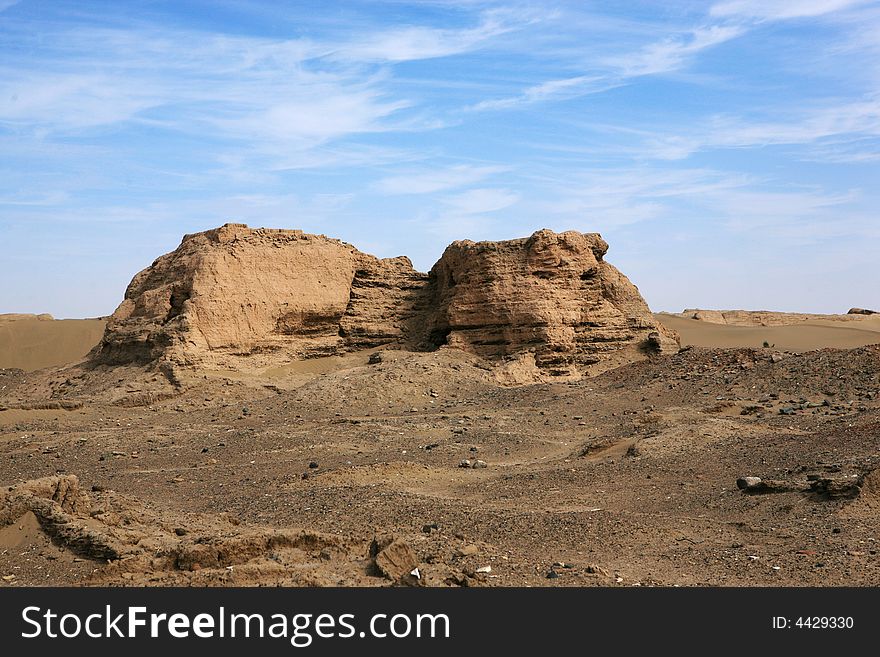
pixel 464 463
pixel 468 550
pixel 484 569
pixel 375 359
pixel 395 559
pixel 479 464
pixel 313 465
pixel 744 483
pixel 758 486
pixel 431 527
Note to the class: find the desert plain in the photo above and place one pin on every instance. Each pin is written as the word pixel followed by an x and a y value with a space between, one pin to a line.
pixel 275 408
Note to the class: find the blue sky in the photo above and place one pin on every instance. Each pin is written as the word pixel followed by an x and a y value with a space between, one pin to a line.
pixel 729 151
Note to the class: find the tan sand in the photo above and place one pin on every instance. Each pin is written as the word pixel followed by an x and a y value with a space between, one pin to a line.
pixel 804 336
pixel 31 342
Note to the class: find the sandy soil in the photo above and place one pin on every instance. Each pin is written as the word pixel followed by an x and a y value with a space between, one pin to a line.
pixel 803 336
pixel 286 477
pixel 31 342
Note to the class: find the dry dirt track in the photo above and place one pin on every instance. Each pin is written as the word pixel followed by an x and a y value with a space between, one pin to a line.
pixel 627 479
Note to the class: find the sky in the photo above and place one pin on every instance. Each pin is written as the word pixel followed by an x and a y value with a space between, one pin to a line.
pixel 728 151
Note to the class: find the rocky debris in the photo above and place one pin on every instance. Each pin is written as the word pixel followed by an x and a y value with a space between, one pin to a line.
pixel 126 542
pixel 838 488
pixel 270 296
pixel 49 405
pixel 395 560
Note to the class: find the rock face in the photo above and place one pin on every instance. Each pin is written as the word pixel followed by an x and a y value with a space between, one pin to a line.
pixel 233 292
pixel 551 294
pixel 264 295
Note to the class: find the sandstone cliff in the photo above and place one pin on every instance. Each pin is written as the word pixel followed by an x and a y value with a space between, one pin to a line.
pixel 271 296
pixel 550 294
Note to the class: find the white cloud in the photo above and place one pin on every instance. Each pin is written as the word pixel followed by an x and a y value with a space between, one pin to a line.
pixel 861 118
pixel 416 43
pixel 478 201
pixel 779 9
pixel 437 180
pixel 660 57
pixel 672 53
pixel 562 89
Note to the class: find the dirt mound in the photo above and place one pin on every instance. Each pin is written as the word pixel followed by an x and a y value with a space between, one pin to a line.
pixel 275 296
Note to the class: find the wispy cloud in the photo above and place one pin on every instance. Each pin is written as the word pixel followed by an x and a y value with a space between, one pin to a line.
pixel 437 180
pixel 780 9
pixel 555 90
pixel 480 201
pixel 672 53
pixel 804 126
pixel 417 43
pixel 665 56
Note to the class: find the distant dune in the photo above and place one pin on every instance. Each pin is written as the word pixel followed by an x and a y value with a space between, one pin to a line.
pixel 31 342
pixel 784 331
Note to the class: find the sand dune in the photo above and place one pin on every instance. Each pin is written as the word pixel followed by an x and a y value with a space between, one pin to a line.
pixel 803 336
pixel 31 342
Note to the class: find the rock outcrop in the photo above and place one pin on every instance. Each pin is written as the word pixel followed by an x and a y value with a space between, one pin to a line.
pixel 235 292
pixel 551 295
pixel 272 296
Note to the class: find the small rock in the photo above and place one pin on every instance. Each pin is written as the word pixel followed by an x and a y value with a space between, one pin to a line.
pixel 313 465
pixel 744 483
pixel 395 559
pixel 431 527
pixel 484 569
pixel 467 550
pixel 479 464
pixel 464 463
pixel 552 574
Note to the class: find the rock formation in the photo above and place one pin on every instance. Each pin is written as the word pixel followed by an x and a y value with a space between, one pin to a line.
pixel 280 295
pixel 550 294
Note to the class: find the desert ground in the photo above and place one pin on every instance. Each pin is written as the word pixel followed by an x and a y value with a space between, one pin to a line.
pixel 267 407
pixel 286 476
